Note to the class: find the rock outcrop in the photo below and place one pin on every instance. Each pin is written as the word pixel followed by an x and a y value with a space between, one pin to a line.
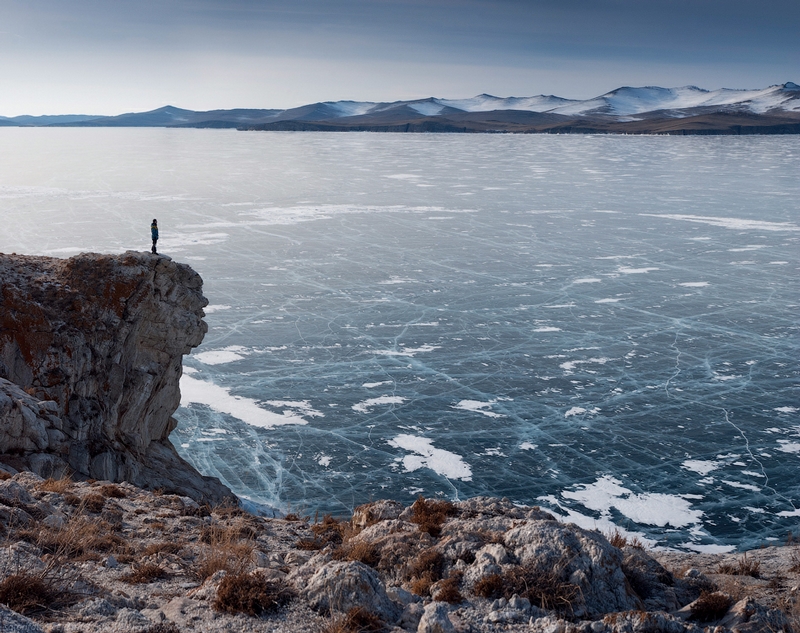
pixel 90 360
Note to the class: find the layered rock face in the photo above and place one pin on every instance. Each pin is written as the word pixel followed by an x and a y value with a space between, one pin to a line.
pixel 90 360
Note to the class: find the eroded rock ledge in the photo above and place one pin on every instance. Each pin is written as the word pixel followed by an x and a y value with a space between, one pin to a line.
pixel 90 360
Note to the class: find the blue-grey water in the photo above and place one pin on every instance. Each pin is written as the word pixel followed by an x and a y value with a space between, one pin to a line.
pixel 604 326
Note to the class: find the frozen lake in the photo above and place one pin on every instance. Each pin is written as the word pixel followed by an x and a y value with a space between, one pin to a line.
pixel 603 326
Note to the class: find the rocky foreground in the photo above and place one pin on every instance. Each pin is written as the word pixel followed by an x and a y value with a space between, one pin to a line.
pixel 101 557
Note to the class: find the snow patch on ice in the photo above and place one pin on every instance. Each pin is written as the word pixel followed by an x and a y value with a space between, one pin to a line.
pixel 221 356
pixel 788 447
pixel 366 405
pixel 646 508
pixel 406 351
pixel 736 484
pixel 477 406
pixel 635 271
pixel 571 364
pixel 700 466
pixel 425 455
pixel 220 399
pixel 581 411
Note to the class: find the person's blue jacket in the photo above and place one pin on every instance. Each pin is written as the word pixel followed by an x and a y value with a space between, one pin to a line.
pixel 154 231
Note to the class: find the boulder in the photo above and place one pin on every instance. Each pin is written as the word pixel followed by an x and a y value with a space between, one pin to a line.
pixel 371 513
pixel 747 616
pixel 577 556
pixel 340 586
pixel 13 622
pixel 436 619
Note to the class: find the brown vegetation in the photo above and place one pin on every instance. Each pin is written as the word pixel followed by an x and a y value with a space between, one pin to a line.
pixel 145 573
pixel 56 485
pixel 251 594
pixel 111 490
pixel 28 593
pixel 361 551
pixel 448 590
pixel 431 515
pixel 81 537
pixel 424 570
pixel 710 606
pixel 94 502
pixel 743 567
pixel 490 587
pixel 618 539
pixel 356 620
pixel 544 588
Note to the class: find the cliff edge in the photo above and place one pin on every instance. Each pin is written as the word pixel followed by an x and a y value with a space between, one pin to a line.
pixel 90 360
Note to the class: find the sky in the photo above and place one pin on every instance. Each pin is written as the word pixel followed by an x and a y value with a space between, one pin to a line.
pixel 114 56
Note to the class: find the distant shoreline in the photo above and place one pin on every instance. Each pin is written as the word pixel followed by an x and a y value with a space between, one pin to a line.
pixel 649 110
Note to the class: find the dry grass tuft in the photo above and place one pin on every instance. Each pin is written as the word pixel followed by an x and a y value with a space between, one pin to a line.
pixel 59 486
pixel 431 515
pixel 27 593
pixel 329 531
pixel 4 475
pixel 361 551
pixel 545 589
pixel 94 502
pixel 251 594
pixel 743 567
pixel 81 538
pixel 356 620
pixel 424 570
pixel 617 539
pixel 710 606
pixel 490 587
pixel 449 590
pixel 162 548
pixel 226 549
pixel 145 573
pixel 112 490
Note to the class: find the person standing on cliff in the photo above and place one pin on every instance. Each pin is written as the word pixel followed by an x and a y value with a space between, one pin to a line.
pixel 154 234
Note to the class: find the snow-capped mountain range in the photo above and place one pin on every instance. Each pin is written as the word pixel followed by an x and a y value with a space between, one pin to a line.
pixel 636 110
pixel 622 102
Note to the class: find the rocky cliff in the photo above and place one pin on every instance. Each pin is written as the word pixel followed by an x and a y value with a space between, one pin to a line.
pixel 90 359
